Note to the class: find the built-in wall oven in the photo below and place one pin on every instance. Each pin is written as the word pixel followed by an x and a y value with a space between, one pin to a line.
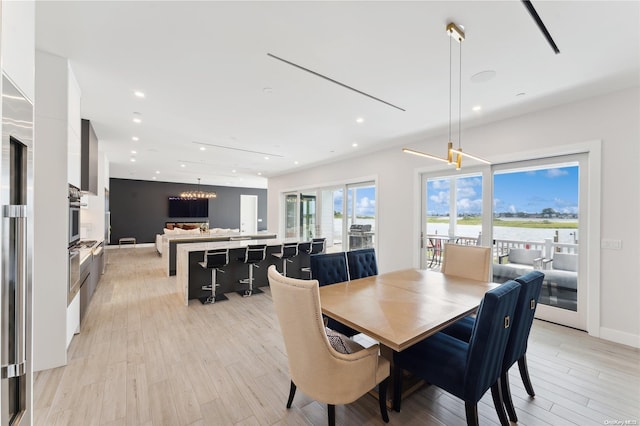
pixel 74 215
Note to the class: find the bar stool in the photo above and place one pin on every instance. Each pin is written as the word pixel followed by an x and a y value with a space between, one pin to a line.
pixel 287 252
pixel 253 255
pixel 214 260
pixel 317 245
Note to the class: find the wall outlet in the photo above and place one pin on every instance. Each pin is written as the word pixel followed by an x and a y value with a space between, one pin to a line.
pixel 610 244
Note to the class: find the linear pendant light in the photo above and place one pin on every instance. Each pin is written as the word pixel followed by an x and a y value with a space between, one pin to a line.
pixel 457 34
pixel 198 193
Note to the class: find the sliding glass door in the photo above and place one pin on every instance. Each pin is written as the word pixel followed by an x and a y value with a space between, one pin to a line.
pixel 345 215
pixel 536 219
pixel 452 214
pixel 539 223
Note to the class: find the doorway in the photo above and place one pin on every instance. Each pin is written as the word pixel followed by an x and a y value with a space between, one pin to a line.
pixel 248 214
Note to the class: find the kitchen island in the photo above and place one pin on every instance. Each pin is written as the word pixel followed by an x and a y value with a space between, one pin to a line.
pixel 190 276
pixel 169 243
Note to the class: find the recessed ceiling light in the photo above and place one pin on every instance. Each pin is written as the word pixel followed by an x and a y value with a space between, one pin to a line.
pixel 483 76
pixel 359 120
pixel 233 171
pixel 138 94
pixel 477 108
pixel 133 160
pixel 266 158
pixel 134 152
pixel 202 148
pixel 157 172
pixel 259 173
pixel 296 162
pixel 137 120
pixel 183 165
pixel 153 177
pixel 354 145
pixel 135 138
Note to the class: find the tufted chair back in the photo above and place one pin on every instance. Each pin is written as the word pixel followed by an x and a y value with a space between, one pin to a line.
pixel 362 263
pixel 329 268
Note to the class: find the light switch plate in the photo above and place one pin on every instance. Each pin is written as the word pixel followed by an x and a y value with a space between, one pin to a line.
pixel 611 244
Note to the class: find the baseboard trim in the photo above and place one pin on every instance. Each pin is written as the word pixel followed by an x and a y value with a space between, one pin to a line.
pixel 618 336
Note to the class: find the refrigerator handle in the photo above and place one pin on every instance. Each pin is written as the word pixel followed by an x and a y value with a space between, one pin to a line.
pixel 17 215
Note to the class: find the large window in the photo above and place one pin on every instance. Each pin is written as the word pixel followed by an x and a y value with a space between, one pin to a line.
pixel 347 222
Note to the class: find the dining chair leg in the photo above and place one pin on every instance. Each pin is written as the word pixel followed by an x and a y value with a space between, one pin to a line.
pixel 397 388
pixel 332 414
pixel 496 394
pixel 471 411
pixel 524 373
pixel 292 392
pixel 382 399
pixel 506 396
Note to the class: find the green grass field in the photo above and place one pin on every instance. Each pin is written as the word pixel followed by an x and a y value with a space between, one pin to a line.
pixel 542 224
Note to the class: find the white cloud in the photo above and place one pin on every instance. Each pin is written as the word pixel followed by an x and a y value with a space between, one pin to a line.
pixel 440 197
pixel 439 184
pixel 512 208
pixel 554 173
pixel 467 205
pixel 465 192
pixel 468 182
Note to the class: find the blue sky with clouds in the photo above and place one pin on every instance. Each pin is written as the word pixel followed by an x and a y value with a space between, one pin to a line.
pixel 365 201
pixel 525 191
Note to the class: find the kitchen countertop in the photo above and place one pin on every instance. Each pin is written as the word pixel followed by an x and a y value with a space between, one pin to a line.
pixel 86 252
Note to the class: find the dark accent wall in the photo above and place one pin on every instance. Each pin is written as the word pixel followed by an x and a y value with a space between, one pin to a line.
pixel 140 208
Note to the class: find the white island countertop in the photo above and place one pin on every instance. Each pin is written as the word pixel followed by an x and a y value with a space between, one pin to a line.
pixel 183 250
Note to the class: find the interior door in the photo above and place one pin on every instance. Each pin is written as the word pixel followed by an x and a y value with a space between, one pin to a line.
pixel 248 214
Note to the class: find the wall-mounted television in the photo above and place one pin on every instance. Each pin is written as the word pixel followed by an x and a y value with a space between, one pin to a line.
pixel 188 207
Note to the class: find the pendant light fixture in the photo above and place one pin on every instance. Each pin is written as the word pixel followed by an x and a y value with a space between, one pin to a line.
pixel 198 193
pixel 454 155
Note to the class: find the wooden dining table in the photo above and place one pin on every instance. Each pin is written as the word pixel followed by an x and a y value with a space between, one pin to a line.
pixel 399 309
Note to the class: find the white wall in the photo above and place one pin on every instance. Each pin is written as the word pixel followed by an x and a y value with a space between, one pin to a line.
pixel 612 118
pixel 51 213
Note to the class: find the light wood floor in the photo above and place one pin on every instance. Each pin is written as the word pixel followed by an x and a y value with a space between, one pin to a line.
pixel 143 358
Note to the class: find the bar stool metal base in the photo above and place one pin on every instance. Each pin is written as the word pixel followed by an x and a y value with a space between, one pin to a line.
pixel 209 300
pixel 247 293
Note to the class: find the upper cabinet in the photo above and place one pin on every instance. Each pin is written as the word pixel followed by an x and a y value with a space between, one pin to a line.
pixel 73 128
pixel 89 163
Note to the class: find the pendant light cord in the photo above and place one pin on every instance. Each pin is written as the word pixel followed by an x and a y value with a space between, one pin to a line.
pixel 460 102
pixel 450 88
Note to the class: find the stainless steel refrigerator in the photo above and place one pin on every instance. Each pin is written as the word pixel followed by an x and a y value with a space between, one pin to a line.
pixel 16 263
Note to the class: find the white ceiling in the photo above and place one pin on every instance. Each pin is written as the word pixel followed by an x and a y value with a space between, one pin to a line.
pixel 204 69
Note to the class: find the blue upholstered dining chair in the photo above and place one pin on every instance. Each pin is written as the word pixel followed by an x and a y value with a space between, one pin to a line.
pixel 531 285
pixel 362 263
pixel 466 369
pixel 331 268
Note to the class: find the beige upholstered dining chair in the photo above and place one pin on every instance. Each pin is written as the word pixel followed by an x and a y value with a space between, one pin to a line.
pixel 471 262
pixel 320 371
